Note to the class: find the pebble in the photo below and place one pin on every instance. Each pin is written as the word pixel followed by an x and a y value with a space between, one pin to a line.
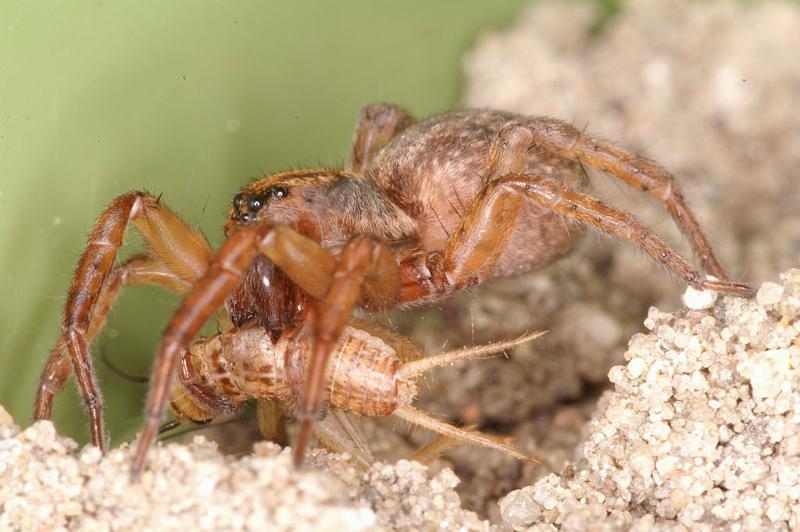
pixel 519 509
pixel 699 299
pixel 769 294
pixel 636 367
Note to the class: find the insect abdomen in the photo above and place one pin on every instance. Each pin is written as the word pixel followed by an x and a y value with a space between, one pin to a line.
pixel 245 364
pixel 363 373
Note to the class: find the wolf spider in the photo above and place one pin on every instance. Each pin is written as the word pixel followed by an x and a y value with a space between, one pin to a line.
pixel 422 209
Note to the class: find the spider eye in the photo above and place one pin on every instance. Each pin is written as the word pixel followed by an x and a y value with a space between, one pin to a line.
pixel 255 204
pixel 277 192
pixel 238 201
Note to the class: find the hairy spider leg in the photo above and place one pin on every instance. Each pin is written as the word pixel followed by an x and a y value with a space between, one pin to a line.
pixel 637 171
pixel 367 273
pixel 480 238
pixel 377 125
pixel 138 270
pixel 178 256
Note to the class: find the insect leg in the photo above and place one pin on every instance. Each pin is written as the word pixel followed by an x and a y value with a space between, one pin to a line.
pixel 271 425
pixel 339 434
pixel 419 418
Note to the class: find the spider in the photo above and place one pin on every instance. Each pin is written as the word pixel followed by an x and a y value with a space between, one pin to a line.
pixel 421 210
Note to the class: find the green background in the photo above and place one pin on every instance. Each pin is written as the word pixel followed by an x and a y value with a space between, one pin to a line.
pixel 188 99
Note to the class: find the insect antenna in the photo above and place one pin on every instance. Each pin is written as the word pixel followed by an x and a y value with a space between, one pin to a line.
pixel 197 426
pixel 119 372
pixel 168 426
pixel 412 369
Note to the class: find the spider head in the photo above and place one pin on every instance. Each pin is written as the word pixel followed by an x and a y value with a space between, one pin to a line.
pixel 290 198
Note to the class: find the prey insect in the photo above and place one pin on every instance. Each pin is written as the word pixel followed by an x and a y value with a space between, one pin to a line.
pixel 374 372
pixel 421 210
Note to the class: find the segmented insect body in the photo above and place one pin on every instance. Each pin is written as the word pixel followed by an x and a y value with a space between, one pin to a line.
pixel 246 363
pixel 367 375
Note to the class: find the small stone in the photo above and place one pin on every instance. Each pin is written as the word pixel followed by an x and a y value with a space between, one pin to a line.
pixel 666 465
pixel 616 374
pixel 776 510
pixel 769 293
pixel 766 372
pixel 659 430
pixel 699 299
pixel 642 462
pixel 519 509
pixel 90 455
pixel 692 513
pixel 5 418
pixel 636 367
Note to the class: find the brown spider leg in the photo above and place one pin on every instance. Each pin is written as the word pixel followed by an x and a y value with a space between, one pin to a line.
pixel 181 249
pixel 554 196
pixel 639 172
pixel 476 244
pixel 289 250
pixel 139 270
pixel 377 125
pixel 474 248
pixel 484 231
pixel 367 273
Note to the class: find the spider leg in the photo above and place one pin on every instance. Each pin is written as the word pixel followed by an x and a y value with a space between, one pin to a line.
pixel 483 233
pixel 481 236
pixel 639 172
pixel 182 250
pixel 554 196
pixel 377 124
pixel 479 240
pixel 139 270
pixel 367 275
pixel 289 250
